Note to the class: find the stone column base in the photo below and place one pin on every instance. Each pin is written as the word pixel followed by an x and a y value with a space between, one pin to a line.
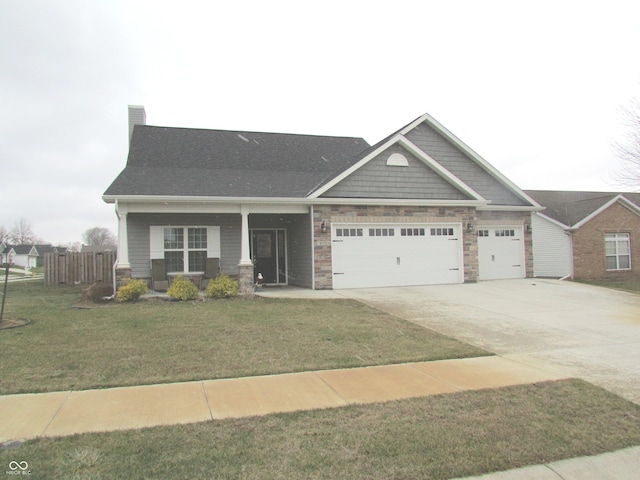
pixel 245 280
pixel 122 274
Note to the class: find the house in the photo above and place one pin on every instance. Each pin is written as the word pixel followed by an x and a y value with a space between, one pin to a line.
pixel 23 255
pixel 44 249
pixel 586 235
pixel 4 253
pixel 419 207
pixel 27 255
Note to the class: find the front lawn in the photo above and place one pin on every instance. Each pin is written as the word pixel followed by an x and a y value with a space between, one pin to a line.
pixel 628 285
pixel 460 434
pixel 148 342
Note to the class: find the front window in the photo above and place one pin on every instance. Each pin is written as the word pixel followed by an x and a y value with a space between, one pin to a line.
pixel 618 251
pixel 178 253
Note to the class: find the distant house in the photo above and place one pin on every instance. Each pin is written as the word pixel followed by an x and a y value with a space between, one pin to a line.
pixel 419 207
pixel 4 251
pixel 586 235
pixel 27 255
pixel 44 249
pixel 23 255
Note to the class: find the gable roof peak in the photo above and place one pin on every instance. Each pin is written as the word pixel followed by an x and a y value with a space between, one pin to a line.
pixel 471 154
pixel 574 208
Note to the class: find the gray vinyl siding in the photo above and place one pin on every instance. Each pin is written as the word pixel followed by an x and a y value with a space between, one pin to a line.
pixel 298 227
pixel 230 244
pixel 376 179
pixel 300 248
pixel 138 229
pixel 551 249
pixel 138 232
pixel 467 170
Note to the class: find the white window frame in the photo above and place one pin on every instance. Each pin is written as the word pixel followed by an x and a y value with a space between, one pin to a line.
pixel 157 249
pixel 616 239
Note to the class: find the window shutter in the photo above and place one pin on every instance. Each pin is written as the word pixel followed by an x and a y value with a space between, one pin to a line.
pixel 156 242
pixel 213 242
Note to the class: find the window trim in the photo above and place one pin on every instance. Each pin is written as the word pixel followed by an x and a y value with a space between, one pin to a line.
pixel 616 238
pixel 157 250
pixel 185 249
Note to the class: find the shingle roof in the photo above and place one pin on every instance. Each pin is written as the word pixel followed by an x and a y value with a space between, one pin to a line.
pixel 42 249
pixel 22 249
pixel 569 207
pixel 193 162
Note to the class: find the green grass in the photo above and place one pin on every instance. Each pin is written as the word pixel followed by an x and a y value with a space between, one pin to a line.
pixel 461 434
pixel 628 285
pixel 160 342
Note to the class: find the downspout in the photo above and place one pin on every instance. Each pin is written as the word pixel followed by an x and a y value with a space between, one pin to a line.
pixel 115 264
pixel 313 252
pixel 114 277
pixel 570 275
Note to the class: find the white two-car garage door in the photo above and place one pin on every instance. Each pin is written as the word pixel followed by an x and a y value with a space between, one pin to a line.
pixel 384 255
pixel 500 253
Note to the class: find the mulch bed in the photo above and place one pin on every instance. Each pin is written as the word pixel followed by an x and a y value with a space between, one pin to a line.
pixel 13 323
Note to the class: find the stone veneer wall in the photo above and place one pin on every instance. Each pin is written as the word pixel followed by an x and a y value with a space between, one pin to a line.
pixel 589 261
pixel 501 218
pixel 122 275
pixel 388 214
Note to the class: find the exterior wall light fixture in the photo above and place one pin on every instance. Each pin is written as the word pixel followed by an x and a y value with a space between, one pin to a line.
pixel 469 227
pixel 323 227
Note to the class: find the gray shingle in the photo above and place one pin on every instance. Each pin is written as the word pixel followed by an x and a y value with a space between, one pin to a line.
pixel 194 162
pixel 569 207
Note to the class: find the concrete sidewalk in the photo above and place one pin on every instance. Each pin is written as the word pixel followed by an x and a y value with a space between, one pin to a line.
pixel 28 416
pixel 620 465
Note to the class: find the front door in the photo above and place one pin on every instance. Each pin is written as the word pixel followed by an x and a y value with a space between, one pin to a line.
pixel 268 252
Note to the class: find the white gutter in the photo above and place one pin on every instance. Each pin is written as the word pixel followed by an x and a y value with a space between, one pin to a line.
pixel 158 199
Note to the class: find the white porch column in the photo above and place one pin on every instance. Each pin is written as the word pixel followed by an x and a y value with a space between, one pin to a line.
pixel 123 237
pixel 245 256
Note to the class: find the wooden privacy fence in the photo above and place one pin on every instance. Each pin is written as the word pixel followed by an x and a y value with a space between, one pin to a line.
pixel 75 268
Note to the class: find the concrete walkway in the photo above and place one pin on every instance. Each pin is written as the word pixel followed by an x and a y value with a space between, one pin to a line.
pixel 620 465
pixel 28 416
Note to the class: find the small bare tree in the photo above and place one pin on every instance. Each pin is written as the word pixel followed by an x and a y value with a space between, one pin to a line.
pixel 100 236
pixel 629 149
pixel 4 235
pixel 22 233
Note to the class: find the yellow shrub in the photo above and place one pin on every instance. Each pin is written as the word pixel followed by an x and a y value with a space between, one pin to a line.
pixel 182 289
pixel 131 290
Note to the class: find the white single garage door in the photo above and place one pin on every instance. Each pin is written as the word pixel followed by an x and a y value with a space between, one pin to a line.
pixel 500 253
pixel 384 255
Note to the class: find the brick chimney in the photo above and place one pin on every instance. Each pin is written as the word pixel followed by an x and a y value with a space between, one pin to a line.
pixel 137 116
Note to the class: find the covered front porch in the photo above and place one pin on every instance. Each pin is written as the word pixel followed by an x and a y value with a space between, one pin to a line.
pixel 256 243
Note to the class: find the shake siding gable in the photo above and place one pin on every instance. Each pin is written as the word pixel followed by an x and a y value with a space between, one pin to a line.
pixel 467 170
pixel 376 179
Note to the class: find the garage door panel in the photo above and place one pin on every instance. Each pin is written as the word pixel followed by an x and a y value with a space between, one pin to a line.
pixel 500 253
pixel 399 258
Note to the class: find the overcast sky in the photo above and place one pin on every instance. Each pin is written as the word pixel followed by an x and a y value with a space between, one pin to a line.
pixel 534 87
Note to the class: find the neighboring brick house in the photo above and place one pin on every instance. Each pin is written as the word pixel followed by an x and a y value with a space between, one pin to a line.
pixel 587 235
pixel 419 207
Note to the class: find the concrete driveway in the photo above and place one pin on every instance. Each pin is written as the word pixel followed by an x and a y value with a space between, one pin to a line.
pixel 571 329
